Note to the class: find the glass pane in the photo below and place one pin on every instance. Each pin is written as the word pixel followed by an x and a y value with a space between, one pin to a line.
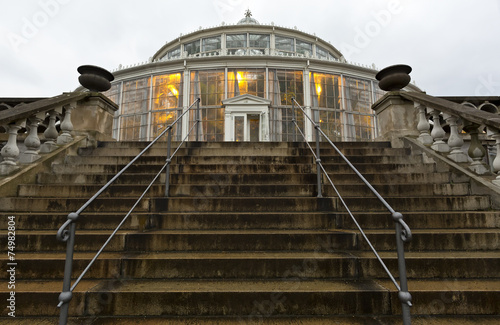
pixel 236 41
pixel 284 43
pixel 167 90
pixel 303 47
pixel 325 90
pixel 239 128
pixel 358 95
pixel 285 84
pixel 211 44
pixel 259 40
pixel 175 53
pixel 209 86
pixel 254 121
pixel 135 96
pixel 246 81
pixel 321 53
pixel 193 47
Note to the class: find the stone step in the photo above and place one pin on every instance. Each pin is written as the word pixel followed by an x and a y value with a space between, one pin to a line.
pixel 305 167
pixel 247 151
pixel 190 265
pixel 243 158
pixel 433 264
pixel 284 188
pixel 246 204
pixel 245 298
pixel 249 220
pixel 261 240
pixel 194 144
pixel 451 297
pixel 305 158
pixel 259 265
pixel 262 317
pixel 437 239
pixel 178 240
pixel 338 178
pixel 255 204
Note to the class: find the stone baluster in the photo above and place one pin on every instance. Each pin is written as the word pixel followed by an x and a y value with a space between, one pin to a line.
pixel 10 152
pixel 476 150
pixel 438 133
pixel 50 134
pixel 496 161
pixel 423 126
pixel 455 140
pixel 32 141
pixel 66 127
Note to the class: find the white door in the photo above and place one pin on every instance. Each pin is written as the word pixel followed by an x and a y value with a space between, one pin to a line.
pixel 240 127
pixel 246 127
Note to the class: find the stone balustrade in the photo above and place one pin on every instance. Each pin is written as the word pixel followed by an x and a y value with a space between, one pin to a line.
pixel 78 113
pixel 442 125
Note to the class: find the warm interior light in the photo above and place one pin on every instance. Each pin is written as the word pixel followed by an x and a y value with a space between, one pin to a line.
pixel 318 90
pixel 173 90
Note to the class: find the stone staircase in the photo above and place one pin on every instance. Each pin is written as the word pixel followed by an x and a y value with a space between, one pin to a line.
pixel 243 239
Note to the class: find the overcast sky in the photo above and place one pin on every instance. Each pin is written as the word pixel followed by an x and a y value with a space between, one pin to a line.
pixel 453 46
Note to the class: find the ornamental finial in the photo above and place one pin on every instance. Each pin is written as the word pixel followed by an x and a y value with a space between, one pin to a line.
pixel 248 13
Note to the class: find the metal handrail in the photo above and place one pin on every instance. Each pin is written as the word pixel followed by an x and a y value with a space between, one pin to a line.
pixel 68 235
pixel 403 232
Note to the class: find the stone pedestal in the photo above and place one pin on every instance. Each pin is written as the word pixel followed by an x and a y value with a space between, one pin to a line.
pixel 396 118
pixel 93 116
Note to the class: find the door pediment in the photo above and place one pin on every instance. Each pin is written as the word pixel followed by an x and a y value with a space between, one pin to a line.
pixel 246 100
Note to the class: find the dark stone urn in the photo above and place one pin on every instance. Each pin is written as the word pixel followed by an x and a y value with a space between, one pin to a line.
pixel 394 78
pixel 95 78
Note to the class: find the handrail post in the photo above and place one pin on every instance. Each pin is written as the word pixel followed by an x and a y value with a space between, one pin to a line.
pixel 403 294
pixel 66 294
pixel 169 159
pixel 318 160
pixel 198 119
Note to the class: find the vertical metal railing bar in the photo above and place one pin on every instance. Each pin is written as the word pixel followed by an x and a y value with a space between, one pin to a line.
pixel 169 159
pixel 198 120
pixel 403 232
pixel 318 161
pixel 68 236
pixel 66 294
